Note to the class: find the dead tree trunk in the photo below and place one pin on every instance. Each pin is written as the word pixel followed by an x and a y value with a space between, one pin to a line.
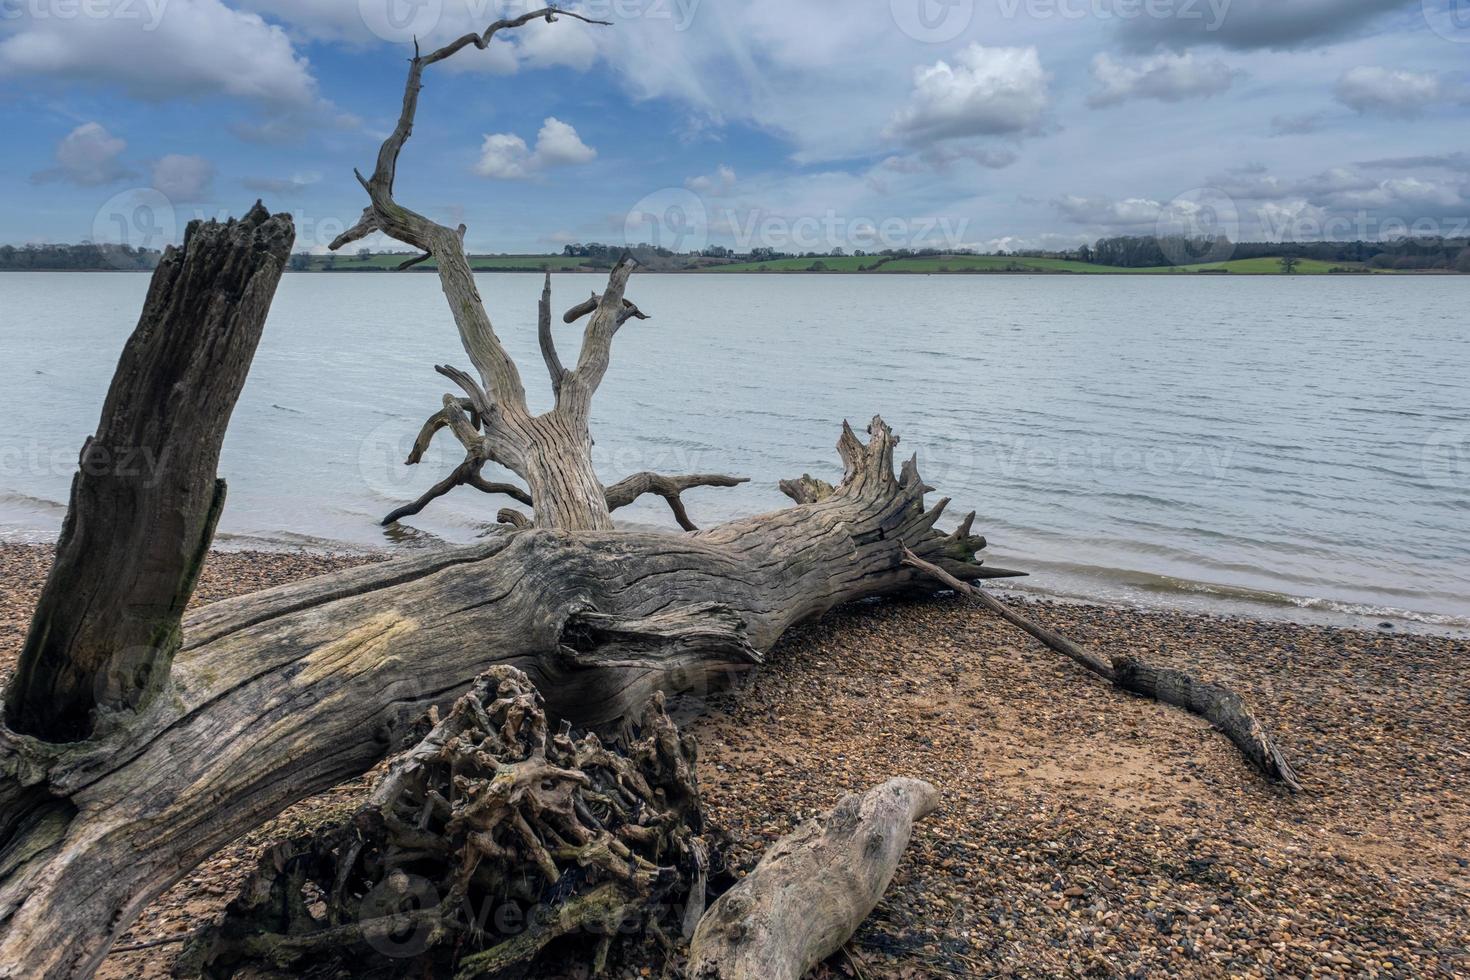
pixel 145 501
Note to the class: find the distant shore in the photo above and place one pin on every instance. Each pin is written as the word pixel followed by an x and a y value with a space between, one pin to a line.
pixel 973 265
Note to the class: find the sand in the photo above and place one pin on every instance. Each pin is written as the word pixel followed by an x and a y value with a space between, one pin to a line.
pixel 1083 832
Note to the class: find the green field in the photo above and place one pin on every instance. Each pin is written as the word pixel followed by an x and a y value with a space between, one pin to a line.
pixel 932 264
pixel 846 263
pixel 995 263
pixel 480 263
pixel 940 264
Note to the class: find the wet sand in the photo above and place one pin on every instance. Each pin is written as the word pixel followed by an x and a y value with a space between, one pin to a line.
pixel 1083 832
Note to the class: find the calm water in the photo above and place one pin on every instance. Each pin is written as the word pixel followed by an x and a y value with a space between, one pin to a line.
pixel 1276 446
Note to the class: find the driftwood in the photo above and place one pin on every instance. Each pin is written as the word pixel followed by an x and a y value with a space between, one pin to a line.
pixel 282 694
pixel 484 843
pixel 145 501
pixel 812 889
pixel 1219 705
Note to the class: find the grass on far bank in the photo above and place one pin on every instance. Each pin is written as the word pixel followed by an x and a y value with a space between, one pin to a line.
pixel 938 264
pixel 480 263
pixel 931 264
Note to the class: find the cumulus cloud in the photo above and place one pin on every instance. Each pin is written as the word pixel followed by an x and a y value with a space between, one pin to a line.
pixel 1341 203
pixel 718 184
pixel 1404 94
pixel 89 156
pixel 1133 213
pixel 1253 24
pixel 194 48
pixel 1166 77
pixel 505 156
pixel 986 92
pixel 182 178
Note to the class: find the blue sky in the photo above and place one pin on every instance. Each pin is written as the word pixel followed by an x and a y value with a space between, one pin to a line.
pixel 795 124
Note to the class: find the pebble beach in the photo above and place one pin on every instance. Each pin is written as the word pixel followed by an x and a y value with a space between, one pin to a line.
pixel 1082 832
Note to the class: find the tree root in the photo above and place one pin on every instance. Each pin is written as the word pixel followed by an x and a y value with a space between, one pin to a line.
pixel 482 845
pixel 1219 705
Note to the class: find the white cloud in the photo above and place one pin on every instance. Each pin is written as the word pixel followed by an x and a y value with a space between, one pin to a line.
pixel 1136 213
pixel 1405 94
pixel 1166 77
pixel 505 156
pixel 195 47
pixel 987 92
pixel 182 178
pixel 718 184
pixel 89 156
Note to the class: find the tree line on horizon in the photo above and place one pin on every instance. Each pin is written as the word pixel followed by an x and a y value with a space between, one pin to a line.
pixel 1120 251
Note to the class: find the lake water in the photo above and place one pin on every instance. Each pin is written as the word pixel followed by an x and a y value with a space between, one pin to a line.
pixel 1272 446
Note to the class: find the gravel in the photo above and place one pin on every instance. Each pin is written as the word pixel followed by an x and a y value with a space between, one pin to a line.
pixel 1083 832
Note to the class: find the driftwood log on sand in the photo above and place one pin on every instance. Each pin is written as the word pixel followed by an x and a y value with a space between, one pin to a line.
pixel 812 889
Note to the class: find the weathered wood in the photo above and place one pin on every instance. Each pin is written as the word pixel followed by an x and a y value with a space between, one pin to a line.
pixel 811 890
pixel 1219 705
pixel 629 489
pixel 497 835
pixel 291 691
pixel 144 501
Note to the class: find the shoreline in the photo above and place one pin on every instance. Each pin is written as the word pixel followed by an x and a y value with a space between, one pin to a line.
pixel 1081 830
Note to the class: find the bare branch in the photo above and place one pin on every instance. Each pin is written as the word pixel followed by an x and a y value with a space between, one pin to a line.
pixel 1219 705
pixel 478 398
pixel 432 427
pixel 407 264
pixel 459 423
pixel 513 517
pixel 579 386
pixel 466 473
pixel 366 225
pixel 509 489
pixel 630 310
pixel 624 492
pixel 548 342
pixel 497 369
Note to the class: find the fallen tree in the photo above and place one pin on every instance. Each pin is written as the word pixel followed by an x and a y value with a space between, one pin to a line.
pixel 216 721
